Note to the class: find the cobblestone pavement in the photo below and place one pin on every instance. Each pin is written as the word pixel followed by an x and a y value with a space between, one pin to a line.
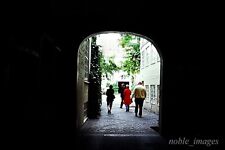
pixel 121 130
pixel 120 122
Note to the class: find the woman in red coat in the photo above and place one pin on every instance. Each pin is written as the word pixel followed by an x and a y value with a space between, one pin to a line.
pixel 127 97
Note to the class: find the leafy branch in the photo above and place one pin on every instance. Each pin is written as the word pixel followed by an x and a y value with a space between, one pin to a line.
pixel 131 44
pixel 108 67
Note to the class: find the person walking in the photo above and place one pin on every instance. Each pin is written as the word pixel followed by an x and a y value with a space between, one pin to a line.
pixel 127 97
pixel 110 98
pixel 139 93
pixel 122 94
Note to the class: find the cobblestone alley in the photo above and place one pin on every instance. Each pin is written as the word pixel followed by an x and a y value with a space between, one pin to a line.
pixel 120 122
pixel 121 130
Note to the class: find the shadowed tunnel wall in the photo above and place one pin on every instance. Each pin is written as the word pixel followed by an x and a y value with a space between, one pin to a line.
pixel 39 90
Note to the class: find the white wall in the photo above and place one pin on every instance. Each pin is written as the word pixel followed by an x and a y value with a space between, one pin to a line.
pixel 150 73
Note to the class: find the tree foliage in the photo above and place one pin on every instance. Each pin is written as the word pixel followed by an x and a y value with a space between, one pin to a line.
pixel 95 99
pixel 131 44
pixel 108 67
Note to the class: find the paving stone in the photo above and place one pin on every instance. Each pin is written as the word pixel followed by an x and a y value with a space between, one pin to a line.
pixel 120 121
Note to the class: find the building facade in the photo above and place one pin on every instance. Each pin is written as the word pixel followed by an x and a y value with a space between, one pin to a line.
pixel 150 74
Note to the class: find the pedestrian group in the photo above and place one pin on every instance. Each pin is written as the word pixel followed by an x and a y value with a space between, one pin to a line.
pixel 139 95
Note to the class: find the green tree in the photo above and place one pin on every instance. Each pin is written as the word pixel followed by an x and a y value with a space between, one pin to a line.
pixel 131 44
pixel 108 67
pixel 95 98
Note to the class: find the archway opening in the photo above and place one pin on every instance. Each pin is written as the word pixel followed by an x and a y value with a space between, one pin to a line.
pixel 116 58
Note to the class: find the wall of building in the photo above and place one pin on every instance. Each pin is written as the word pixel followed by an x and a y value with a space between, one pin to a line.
pixel 82 82
pixel 150 74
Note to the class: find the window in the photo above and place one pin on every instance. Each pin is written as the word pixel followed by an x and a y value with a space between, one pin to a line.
pixel 152 93
pixel 147 55
pixel 158 94
pixel 147 93
pixel 151 55
pixel 154 55
pixel 142 59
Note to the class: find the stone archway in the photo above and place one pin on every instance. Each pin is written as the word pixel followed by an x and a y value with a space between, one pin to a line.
pixel 150 56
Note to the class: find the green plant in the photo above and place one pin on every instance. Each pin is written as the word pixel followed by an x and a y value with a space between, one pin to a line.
pixel 131 44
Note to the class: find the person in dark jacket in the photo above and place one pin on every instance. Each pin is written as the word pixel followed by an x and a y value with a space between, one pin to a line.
pixel 110 98
pixel 122 94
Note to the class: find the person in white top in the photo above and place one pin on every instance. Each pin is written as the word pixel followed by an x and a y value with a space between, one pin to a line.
pixel 139 93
